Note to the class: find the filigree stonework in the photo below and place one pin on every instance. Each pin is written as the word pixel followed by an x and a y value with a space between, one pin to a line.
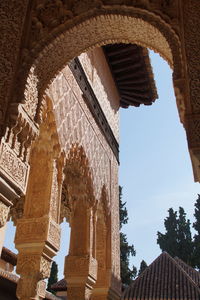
pixel 4 211
pixel 13 167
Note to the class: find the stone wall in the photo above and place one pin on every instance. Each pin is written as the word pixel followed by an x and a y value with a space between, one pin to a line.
pixel 101 80
pixel 76 125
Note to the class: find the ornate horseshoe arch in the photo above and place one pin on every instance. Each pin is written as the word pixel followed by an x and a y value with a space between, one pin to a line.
pixel 120 24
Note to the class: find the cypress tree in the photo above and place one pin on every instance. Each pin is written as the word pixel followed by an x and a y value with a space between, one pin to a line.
pixel 143 266
pixel 126 250
pixel 185 245
pixel 177 240
pixel 196 226
pixel 53 277
pixel 168 242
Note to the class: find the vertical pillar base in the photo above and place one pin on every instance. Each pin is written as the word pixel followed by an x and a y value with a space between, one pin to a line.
pixel 100 294
pixel 80 274
pixel 29 288
pixel 78 293
pixel 105 293
pixel 37 241
pixel 114 294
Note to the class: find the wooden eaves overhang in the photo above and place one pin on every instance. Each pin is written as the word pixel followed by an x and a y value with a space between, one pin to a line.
pixel 131 70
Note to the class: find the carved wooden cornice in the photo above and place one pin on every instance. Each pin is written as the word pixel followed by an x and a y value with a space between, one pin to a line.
pixel 8 275
pixel 132 72
pixel 93 104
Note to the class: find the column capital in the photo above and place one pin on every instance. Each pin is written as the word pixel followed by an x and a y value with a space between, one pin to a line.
pixel 5 205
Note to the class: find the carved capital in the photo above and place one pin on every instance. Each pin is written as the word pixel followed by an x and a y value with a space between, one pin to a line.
pixel 32 269
pixel 80 266
pixel 33 263
pixel 17 210
pixel 41 230
pixel 31 230
pixel 4 210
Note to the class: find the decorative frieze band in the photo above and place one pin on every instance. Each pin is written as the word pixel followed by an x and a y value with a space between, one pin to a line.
pixel 12 167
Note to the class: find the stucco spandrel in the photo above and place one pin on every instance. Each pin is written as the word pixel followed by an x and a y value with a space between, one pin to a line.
pixel 97 32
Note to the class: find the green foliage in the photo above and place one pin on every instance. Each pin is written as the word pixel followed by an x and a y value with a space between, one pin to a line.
pixel 168 241
pixel 196 226
pixel 177 240
pixel 143 266
pixel 185 245
pixel 123 214
pixel 53 277
pixel 126 250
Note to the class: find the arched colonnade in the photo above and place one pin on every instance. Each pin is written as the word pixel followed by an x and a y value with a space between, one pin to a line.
pixel 39 161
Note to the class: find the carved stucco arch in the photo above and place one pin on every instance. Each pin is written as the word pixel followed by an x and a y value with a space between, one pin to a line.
pixel 104 203
pixel 78 181
pixel 44 148
pixel 103 245
pixel 121 24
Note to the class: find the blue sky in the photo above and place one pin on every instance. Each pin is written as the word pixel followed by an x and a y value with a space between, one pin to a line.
pixel 155 170
pixel 155 167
